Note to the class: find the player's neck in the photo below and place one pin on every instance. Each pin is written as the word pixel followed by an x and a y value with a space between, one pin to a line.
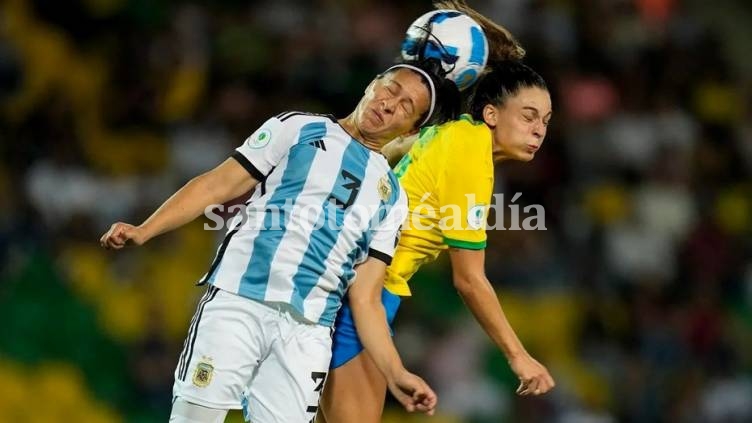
pixel 348 124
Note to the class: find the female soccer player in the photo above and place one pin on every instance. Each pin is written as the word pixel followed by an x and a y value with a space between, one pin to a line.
pixel 509 112
pixel 261 336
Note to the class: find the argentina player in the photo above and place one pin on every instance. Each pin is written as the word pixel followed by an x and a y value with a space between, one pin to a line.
pixel 261 337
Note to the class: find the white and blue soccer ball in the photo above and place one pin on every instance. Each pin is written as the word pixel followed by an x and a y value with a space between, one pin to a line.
pixel 452 37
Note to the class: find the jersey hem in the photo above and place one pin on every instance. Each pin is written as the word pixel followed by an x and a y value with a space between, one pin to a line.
pixel 248 166
pixel 209 404
pixel 401 290
pixel 378 255
pixel 465 245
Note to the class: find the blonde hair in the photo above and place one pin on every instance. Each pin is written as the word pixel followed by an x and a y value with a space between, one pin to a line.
pixel 501 43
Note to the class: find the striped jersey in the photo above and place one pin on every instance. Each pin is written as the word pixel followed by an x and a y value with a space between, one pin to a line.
pixel 324 204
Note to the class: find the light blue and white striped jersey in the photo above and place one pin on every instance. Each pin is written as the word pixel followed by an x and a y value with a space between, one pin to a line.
pixel 324 204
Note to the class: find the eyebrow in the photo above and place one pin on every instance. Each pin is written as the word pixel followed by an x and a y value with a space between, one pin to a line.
pixel 536 110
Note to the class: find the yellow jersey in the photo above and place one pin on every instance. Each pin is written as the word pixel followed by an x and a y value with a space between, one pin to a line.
pixel 448 176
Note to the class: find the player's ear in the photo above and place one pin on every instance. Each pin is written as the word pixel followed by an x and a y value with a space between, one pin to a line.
pixel 490 115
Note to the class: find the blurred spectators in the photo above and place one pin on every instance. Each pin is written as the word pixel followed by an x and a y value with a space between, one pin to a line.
pixel 638 296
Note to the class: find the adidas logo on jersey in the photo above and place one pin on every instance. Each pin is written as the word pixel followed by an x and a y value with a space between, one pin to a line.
pixel 318 144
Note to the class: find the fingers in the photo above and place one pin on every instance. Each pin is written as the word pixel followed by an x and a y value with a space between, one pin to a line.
pixel 529 387
pixel 116 237
pixel 415 395
pixel 404 399
pixel 425 401
pixel 548 383
pixel 538 385
pixel 403 394
pixel 545 383
pixel 534 377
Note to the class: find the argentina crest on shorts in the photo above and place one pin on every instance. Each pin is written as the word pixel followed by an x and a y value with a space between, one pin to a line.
pixel 202 376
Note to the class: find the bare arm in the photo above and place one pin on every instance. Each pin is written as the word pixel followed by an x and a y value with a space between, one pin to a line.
pixel 479 296
pixel 371 325
pixel 221 184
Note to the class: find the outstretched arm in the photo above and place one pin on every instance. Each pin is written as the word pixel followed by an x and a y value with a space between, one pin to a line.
pixel 221 184
pixel 479 296
pixel 373 330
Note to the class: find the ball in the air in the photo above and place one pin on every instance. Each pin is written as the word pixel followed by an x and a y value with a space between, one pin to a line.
pixel 452 37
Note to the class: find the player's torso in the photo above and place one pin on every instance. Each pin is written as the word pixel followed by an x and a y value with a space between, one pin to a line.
pixel 309 223
pixel 420 173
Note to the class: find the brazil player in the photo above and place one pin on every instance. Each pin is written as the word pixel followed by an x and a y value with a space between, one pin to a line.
pixel 510 109
pixel 261 336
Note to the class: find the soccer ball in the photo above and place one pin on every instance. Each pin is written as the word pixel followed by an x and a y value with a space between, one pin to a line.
pixel 452 37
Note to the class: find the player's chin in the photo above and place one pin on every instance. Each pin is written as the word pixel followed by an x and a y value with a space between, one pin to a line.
pixel 373 130
pixel 524 156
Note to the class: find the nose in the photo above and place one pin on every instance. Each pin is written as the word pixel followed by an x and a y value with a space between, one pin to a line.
pixel 388 106
pixel 539 130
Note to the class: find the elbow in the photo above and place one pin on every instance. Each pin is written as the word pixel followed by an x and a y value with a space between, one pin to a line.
pixel 365 302
pixel 358 305
pixel 464 285
pixel 362 309
pixel 212 188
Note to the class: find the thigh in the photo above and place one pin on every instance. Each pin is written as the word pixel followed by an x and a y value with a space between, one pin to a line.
pixel 355 389
pixel 354 392
pixel 221 352
pixel 288 384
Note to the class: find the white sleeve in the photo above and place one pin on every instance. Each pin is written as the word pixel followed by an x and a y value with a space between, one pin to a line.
pixel 386 234
pixel 265 148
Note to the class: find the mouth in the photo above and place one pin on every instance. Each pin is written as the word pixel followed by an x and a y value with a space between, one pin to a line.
pixel 532 148
pixel 376 116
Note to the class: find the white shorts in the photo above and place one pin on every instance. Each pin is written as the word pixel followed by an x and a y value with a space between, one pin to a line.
pixel 243 354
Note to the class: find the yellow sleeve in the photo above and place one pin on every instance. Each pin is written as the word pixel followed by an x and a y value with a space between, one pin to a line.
pixel 465 188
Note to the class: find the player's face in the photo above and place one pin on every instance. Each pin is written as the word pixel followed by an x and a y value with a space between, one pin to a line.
pixel 519 126
pixel 392 106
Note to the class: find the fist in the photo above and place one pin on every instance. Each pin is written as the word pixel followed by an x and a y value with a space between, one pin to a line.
pixel 534 377
pixel 120 235
pixel 413 393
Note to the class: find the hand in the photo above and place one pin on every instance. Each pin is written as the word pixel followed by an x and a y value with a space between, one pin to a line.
pixel 534 377
pixel 121 234
pixel 413 393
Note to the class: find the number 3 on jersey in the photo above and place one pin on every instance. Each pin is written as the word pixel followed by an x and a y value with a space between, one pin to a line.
pixel 346 190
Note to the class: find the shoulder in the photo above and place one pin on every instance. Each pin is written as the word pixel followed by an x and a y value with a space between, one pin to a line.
pixel 468 129
pixel 457 132
pixel 465 137
pixel 301 118
pixel 290 124
pixel 389 187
